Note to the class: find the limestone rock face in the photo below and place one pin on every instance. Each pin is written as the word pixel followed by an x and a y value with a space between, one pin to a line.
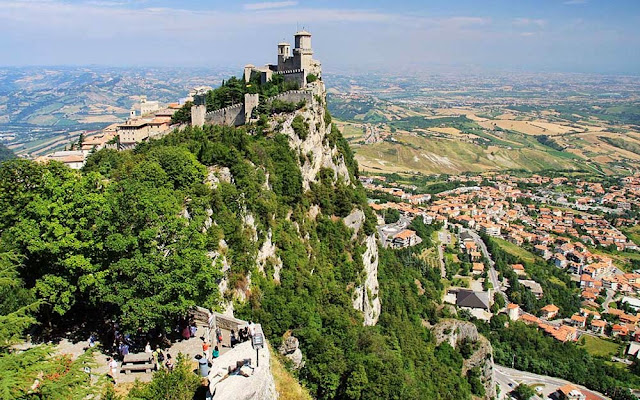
pixel 366 296
pixel 258 385
pixel 217 174
pixel 290 349
pixel 455 332
pixel 268 253
pixel 314 147
pixel 354 221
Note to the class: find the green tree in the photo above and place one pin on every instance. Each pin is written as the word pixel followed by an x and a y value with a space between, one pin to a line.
pixel 183 114
pixel 179 384
pixel 524 392
pixel 391 215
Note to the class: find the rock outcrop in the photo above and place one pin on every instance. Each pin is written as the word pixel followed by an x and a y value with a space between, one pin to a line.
pixel 366 296
pixel 315 148
pixel 258 385
pixel 455 332
pixel 267 253
pixel 290 348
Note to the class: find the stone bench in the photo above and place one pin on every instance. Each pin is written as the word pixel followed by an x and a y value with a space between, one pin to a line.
pixel 148 367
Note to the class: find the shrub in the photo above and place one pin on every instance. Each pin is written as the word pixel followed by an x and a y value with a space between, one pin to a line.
pixel 300 127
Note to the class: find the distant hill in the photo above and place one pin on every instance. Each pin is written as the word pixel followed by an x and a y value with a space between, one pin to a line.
pixel 435 139
pixel 6 153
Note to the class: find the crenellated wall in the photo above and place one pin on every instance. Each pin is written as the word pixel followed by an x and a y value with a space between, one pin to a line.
pixel 231 115
pixel 294 75
pixel 293 96
pixel 240 114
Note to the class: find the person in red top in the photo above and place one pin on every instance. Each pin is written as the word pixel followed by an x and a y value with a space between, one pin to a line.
pixel 205 349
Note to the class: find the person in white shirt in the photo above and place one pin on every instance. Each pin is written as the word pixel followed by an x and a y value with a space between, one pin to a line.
pixel 113 367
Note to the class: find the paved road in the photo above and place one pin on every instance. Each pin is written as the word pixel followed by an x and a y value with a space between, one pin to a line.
pixel 509 378
pixel 445 238
pixel 493 274
pixel 385 231
pixel 608 300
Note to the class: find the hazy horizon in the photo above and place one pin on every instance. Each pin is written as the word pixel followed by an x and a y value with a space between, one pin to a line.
pixel 571 36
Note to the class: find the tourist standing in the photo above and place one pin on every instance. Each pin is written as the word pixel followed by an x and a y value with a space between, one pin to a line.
pixel 252 329
pixel 113 367
pixel 234 339
pixel 205 349
pixel 219 335
pixel 169 363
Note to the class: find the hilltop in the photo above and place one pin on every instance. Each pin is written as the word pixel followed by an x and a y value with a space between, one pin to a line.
pixel 263 218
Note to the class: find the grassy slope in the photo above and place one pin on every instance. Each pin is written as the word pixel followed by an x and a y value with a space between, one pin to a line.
pixel 633 233
pixel 432 155
pixel 514 250
pixel 287 385
pixel 599 347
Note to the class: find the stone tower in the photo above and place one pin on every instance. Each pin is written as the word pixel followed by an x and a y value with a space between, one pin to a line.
pixel 284 54
pixel 302 53
pixel 198 109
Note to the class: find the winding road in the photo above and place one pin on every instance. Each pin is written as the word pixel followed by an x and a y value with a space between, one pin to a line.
pixel 493 274
pixel 509 378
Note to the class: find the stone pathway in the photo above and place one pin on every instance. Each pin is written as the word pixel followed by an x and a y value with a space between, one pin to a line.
pixel 190 348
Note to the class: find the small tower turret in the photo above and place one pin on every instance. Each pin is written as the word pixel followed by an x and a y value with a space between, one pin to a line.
pixel 284 56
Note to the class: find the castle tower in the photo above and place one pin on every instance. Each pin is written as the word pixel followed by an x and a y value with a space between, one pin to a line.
pixel 284 56
pixel 199 109
pixel 302 53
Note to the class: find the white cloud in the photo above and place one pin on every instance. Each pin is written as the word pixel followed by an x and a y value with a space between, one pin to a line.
pixel 529 22
pixel 574 2
pixel 269 5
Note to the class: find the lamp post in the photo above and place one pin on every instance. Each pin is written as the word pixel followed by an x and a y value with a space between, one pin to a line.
pixel 257 342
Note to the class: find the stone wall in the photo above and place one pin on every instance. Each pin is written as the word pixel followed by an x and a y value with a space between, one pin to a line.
pixel 231 115
pixel 296 75
pixel 240 114
pixel 293 96
pixel 228 323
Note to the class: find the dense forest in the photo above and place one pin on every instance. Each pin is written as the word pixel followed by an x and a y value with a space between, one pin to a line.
pixel 128 239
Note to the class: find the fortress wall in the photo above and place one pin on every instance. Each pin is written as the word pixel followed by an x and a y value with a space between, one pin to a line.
pixel 294 75
pixel 231 115
pixel 239 114
pixel 293 96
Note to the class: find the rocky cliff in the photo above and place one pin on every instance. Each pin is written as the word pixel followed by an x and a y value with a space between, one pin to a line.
pixel 456 332
pixel 314 149
pixel 315 153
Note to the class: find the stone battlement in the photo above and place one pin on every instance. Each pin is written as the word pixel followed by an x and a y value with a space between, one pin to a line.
pixel 292 96
pixel 233 108
pixel 240 114
pixel 290 71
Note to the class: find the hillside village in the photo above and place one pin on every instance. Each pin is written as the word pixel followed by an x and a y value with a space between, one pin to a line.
pixel 577 237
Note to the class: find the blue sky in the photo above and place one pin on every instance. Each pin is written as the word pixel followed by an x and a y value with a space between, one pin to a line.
pixel 534 35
